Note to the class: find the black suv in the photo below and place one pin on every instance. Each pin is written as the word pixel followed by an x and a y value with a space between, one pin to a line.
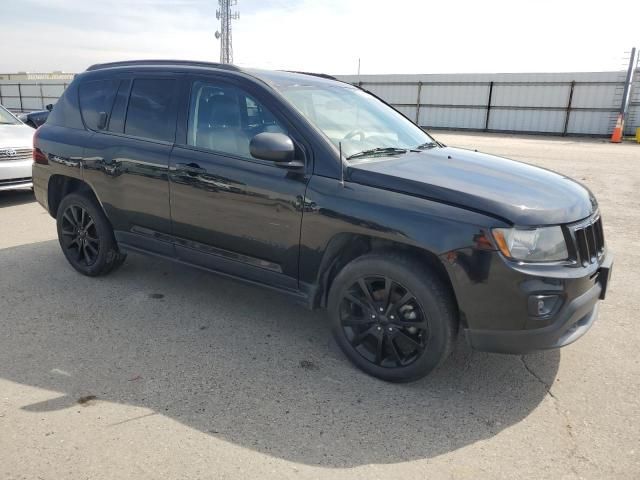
pixel 320 190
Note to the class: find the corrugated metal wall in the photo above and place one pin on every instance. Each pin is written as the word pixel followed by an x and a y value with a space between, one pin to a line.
pixel 29 95
pixel 633 117
pixel 555 103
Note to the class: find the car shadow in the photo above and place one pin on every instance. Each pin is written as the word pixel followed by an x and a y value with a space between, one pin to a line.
pixel 9 198
pixel 240 363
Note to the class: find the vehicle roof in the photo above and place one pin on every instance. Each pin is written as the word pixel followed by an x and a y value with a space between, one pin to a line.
pixel 281 78
pixel 159 62
pixel 273 78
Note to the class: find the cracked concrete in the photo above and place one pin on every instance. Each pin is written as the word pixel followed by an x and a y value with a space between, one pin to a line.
pixel 159 371
pixel 535 375
pixel 560 411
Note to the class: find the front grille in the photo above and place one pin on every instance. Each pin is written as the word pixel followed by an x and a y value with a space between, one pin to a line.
pixel 589 240
pixel 11 154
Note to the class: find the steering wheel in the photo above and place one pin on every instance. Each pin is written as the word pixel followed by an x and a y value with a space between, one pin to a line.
pixel 354 133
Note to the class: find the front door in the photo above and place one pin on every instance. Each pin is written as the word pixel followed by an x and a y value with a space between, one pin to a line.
pixel 231 212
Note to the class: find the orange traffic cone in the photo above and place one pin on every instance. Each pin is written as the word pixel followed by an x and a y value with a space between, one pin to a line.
pixel 616 136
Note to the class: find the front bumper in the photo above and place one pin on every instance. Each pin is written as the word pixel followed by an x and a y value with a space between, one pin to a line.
pixel 495 312
pixel 571 323
pixel 15 174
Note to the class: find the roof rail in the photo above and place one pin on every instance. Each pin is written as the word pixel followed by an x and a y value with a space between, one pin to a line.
pixel 127 63
pixel 321 75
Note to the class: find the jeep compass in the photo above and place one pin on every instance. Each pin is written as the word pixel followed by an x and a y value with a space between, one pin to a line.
pixel 319 190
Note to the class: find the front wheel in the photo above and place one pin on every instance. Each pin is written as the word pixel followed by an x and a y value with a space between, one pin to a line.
pixel 86 236
pixel 391 317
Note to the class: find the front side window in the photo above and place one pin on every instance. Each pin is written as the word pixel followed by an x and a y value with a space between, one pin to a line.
pixel 152 113
pixel 7 118
pixel 354 119
pixel 224 118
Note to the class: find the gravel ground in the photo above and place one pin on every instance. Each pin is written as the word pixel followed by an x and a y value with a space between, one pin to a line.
pixel 162 371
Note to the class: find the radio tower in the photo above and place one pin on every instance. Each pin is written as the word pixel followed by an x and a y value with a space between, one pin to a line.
pixel 225 15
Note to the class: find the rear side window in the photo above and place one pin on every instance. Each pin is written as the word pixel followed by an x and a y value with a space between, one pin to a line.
pixel 152 112
pixel 116 122
pixel 96 100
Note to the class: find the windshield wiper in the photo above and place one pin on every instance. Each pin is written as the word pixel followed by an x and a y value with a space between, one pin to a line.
pixel 374 151
pixel 427 145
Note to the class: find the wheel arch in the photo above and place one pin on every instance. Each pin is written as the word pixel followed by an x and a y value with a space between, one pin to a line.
pixel 344 248
pixel 60 186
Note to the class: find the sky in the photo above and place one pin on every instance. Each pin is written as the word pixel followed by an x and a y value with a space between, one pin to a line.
pixel 410 36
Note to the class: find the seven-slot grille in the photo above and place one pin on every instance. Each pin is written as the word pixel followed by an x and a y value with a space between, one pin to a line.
pixel 589 240
pixel 8 153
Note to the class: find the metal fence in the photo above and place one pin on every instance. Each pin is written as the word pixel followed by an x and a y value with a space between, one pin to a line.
pixel 633 118
pixel 26 95
pixel 555 103
pixel 551 103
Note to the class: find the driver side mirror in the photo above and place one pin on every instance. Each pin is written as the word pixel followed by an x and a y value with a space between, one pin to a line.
pixel 49 106
pixel 275 147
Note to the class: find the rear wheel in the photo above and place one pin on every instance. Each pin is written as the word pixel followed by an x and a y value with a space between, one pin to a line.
pixel 392 318
pixel 86 237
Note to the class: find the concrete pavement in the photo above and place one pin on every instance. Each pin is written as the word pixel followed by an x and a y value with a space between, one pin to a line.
pixel 162 371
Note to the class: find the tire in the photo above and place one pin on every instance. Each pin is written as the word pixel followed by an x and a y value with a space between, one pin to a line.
pixel 87 239
pixel 403 341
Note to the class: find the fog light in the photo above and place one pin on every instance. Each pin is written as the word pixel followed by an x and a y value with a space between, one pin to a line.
pixel 543 305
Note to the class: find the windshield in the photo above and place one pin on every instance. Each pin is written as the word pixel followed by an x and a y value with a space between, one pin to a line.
pixel 6 118
pixel 357 120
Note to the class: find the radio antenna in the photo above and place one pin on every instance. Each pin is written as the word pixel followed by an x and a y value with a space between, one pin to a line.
pixel 341 165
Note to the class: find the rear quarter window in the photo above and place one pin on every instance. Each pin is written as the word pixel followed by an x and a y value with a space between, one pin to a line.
pixel 66 112
pixel 96 100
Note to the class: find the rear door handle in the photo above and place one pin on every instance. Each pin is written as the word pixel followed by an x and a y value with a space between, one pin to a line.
pixel 191 168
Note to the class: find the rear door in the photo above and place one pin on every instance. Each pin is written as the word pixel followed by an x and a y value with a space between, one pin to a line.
pixel 232 212
pixel 128 161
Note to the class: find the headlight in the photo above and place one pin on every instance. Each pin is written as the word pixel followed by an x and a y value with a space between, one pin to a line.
pixel 545 244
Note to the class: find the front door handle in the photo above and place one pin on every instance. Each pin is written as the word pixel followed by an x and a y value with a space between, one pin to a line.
pixel 190 168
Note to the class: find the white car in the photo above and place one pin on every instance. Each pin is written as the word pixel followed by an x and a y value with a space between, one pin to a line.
pixel 16 145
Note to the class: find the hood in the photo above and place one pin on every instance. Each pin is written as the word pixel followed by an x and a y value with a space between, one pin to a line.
pixel 513 191
pixel 16 136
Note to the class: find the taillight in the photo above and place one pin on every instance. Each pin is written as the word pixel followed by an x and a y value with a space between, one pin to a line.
pixel 38 155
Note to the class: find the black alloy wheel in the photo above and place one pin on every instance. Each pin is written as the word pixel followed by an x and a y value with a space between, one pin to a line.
pixel 384 322
pixel 79 235
pixel 393 315
pixel 86 236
